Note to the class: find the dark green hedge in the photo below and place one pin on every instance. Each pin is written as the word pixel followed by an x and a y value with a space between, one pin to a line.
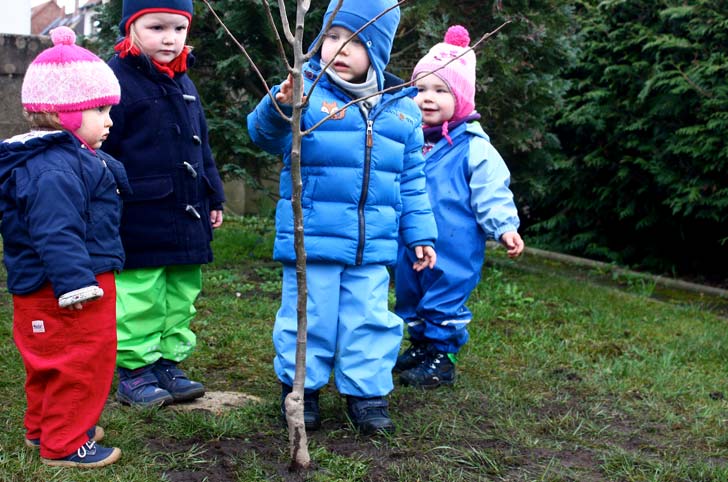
pixel 643 181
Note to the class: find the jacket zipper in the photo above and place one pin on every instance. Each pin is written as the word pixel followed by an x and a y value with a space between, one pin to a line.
pixel 369 143
pixel 364 190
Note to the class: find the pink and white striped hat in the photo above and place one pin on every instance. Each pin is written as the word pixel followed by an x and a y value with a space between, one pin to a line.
pixel 67 78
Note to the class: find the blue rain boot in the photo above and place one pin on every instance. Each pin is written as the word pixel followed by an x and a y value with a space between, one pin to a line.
pixel 176 382
pixel 140 388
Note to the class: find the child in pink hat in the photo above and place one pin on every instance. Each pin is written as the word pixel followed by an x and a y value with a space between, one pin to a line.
pixel 467 182
pixel 61 210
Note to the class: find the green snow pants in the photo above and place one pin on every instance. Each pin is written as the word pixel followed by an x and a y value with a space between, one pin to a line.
pixel 154 307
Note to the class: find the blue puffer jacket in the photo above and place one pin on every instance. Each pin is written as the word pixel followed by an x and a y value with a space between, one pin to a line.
pixel 363 179
pixel 61 211
pixel 160 135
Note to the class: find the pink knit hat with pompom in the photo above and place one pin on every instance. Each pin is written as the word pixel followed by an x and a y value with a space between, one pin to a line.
pixel 459 75
pixel 68 79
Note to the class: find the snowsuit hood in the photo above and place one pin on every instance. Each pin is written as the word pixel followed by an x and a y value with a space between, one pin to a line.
pixel 377 37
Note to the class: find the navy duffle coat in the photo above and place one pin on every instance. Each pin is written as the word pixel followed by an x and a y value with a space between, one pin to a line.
pixel 160 135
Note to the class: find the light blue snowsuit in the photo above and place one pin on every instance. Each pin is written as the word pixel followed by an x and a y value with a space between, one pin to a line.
pixel 467 183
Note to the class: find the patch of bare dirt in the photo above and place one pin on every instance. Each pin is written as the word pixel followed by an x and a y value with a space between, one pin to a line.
pixel 216 402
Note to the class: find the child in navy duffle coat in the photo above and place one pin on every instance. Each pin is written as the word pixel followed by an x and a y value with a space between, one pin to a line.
pixel 467 182
pixel 61 209
pixel 160 135
pixel 363 185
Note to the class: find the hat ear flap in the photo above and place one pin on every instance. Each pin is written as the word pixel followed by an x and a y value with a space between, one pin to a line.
pixel 71 121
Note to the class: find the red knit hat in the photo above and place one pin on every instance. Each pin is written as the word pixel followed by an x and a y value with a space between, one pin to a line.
pixel 459 75
pixel 133 9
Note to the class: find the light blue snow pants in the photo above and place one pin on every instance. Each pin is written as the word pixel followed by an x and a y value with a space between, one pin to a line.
pixel 350 329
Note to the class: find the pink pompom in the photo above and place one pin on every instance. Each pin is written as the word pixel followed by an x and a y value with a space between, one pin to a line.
pixel 457 35
pixel 63 36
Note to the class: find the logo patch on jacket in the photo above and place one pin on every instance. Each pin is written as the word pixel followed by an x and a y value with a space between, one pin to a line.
pixel 331 107
pixel 38 326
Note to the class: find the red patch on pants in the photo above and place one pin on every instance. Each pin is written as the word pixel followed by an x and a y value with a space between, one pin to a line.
pixel 69 357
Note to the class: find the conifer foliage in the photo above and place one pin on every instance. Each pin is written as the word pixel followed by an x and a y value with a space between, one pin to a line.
pixel 645 176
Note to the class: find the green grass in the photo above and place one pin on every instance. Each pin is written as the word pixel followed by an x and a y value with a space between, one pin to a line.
pixel 565 378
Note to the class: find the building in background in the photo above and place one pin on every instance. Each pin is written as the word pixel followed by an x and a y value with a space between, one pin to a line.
pixel 19 18
pixel 81 20
pixel 43 15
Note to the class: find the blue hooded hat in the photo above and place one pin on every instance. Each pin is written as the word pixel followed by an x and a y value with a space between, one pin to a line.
pixel 377 37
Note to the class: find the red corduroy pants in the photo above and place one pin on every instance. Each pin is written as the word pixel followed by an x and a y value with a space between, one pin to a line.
pixel 69 357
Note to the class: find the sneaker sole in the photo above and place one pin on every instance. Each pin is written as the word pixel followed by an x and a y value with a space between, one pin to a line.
pixel 157 403
pixel 445 383
pixel 389 430
pixel 186 397
pixel 98 437
pixel 113 457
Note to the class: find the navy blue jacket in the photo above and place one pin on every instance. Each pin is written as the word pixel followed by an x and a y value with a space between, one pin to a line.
pixel 160 135
pixel 61 211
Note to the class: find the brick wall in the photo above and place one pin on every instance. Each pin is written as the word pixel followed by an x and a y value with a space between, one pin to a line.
pixel 16 53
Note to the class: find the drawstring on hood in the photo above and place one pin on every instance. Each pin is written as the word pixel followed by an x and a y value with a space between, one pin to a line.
pixel 435 133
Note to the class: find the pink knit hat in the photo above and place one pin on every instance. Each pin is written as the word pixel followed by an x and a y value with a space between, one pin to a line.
pixel 68 79
pixel 459 75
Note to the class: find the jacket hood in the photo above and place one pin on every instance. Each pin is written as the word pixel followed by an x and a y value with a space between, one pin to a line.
pixel 16 151
pixel 377 37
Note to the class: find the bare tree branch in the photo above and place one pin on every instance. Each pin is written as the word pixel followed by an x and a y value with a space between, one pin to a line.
pixel 281 50
pixel 317 45
pixel 483 38
pixel 284 21
pixel 250 60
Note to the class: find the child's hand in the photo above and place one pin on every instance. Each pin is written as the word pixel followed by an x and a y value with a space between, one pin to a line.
pixel 216 218
pixel 426 257
pixel 513 243
pixel 285 95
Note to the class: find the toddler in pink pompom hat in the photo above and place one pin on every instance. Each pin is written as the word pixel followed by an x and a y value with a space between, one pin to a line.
pixel 468 186
pixel 67 79
pixel 61 214
pixel 459 75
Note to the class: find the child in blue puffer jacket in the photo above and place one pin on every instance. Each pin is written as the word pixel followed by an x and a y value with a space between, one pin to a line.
pixel 61 209
pixel 467 182
pixel 363 185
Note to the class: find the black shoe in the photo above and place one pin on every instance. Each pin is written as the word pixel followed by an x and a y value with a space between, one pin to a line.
pixel 311 414
pixel 411 357
pixel 369 415
pixel 435 370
